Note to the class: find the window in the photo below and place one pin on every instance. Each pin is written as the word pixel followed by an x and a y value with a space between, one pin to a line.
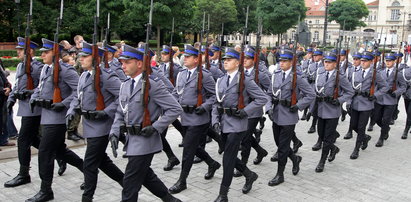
pixel 395 3
pixel 316 35
pixel 293 35
pixel 395 14
pixel 317 21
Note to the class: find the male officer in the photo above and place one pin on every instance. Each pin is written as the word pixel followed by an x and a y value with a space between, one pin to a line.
pixel 349 74
pixel 195 118
pixel 363 102
pixel 232 121
pixel 406 74
pixel 308 59
pixel 141 142
pixel 329 105
pixel 212 68
pixel 53 118
pixel 114 64
pixel 96 123
pixel 386 103
pixel 284 115
pixel 30 121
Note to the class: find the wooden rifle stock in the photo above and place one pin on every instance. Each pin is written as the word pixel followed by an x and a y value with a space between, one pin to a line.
pixel 56 70
pixel 146 86
pixel 394 85
pixel 200 80
pixel 171 68
pixel 374 76
pixel 220 63
pixel 241 86
pixel 27 64
pixel 256 65
pixel 96 65
pixel 337 77
pixel 294 82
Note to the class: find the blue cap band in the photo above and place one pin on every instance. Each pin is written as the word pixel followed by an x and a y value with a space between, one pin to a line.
pixel 166 50
pixel 249 54
pixel 368 57
pixel 318 52
pixel 191 52
pixel 134 55
pixel 390 57
pixel 47 45
pixel 330 58
pixel 233 55
pixel 110 49
pixel 286 56
pixel 357 56
pixel 399 55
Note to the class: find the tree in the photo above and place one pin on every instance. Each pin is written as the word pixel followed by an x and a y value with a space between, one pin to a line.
pixel 348 12
pixel 278 15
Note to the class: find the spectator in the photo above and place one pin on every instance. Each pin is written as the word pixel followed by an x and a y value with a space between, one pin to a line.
pixel 5 88
pixel 263 55
pixel 272 56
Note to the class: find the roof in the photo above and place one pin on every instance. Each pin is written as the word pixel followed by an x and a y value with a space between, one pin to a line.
pixel 315 13
pixel 374 3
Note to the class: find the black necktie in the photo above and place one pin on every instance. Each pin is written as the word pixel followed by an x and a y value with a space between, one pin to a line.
pixel 363 73
pixel 88 76
pixel 228 80
pixel 388 73
pixel 283 76
pixel 326 78
pixel 189 74
pixel 132 86
pixel 47 69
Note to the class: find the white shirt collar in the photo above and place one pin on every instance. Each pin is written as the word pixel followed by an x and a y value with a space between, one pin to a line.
pixel 286 72
pixel 249 70
pixel 366 71
pixel 232 75
pixel 330 72
pixel 137 79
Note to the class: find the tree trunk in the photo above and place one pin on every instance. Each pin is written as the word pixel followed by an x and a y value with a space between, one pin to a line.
pixel 158 42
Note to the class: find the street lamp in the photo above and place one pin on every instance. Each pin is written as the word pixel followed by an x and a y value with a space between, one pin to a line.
pixel 18 16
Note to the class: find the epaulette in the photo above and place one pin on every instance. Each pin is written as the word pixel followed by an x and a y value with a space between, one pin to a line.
pixel 206 70
pixel 249 75
pixel 277 71
pixel 154 78
pixel 107 70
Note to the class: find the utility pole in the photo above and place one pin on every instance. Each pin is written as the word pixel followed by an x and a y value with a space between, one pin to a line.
pixel 325 23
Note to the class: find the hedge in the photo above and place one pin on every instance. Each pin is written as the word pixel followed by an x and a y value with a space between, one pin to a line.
pixel 13 62
pixel 13 53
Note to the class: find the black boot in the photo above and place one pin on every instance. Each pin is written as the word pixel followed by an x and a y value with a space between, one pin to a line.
pixel 262 122
pixel 212 167
pixel 297 146
pixel 274 158
pixel 173 161
pixel 380 141
pixel 343 115
pixel 334 151
pixel 237 173
pixel 217 138
pixel 279 177
pixel 257 134
pixel 312 129
pixel 82 186
pixel 170 198
pixel 405 133
pixel 261 153
pixel 356 151
pixel 45 193
pixel 180 185
pixel 296 163
pixel 317 145
pixel 370 127
pixel 365 142
pixel 208 139
pixel 348 135
pixel 222 196
pixel 86 199
pixel 62 167
pixel 197 160
pixel 250 178
pixel 22 178
pixel 321 164
pixel 72 135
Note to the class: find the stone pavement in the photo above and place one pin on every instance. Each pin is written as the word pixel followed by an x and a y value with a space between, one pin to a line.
pixel 379 174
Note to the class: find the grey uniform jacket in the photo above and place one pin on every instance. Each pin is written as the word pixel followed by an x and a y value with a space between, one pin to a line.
pixel 115 65
pixel 406 74
pixel 130 111
pixel 324 88
pixel 363 85
pixel 228 98
pixel 283 91
pixel 386 98
pixel 20 87
pixel 85 98
pixel 264 84
pixel 215 71
pixel 186 94
pixel 157 72
pixel 165 68
pixel 68 80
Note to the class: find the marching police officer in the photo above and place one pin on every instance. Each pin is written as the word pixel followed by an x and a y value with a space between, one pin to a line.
pixel 304 68
pixel 283 115
pixel 406 73
pixel 349 74
pixel 30 122
pixel 333 89
pixel 362 103
pixel 53 118
pixel 232 121
pixel 141 143
pixel 96 123
pixel 114 64
pixel 195 118
pixel 386 103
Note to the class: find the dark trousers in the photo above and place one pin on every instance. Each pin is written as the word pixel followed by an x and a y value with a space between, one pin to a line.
pixel 407 103
pixel 74 123
pixel 177 125
pixel 52 146
pixel 282 137
pixel 327 132
pixel 4 138
pixel 194 135
pixel 358 122
pixel 166 146
pixel 96 158
pixel 138 173
pixel 249 140
pixel 230 159
pixel 382 116
pixel 28 136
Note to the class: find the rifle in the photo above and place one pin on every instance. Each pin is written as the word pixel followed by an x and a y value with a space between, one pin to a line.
pixel 383 52
pixel 241 86
pixel 105 43
pixel 96 63
pixel 374 76
pixel 27 55
pixel 220 63
pixel 397 62
pixel 257 51
pixel 56 60
pixel 171 71
pixel 294 69
pixel 147 71
pixel 337 75
pixel 200 70
pixel 206 52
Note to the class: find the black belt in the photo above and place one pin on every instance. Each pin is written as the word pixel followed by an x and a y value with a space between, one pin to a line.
pixel 22 95
pixel 230 111
pixel 188 108
pixel 324 99
pixel 310 80
pixel 44 103
pixel 364 94
pixel 91 115
pixel 285 103
pixel 130 129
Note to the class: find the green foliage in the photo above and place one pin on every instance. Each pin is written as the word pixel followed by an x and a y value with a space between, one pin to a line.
pixel 279 15
pixel 348 13
pixel 220 11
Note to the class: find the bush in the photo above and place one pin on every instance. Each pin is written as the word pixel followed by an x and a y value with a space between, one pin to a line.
pixel 13 62
pixel 13 53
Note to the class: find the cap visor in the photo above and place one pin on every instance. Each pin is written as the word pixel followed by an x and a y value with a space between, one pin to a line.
pixel 45 49
pixel 83 54
pixel 123 57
